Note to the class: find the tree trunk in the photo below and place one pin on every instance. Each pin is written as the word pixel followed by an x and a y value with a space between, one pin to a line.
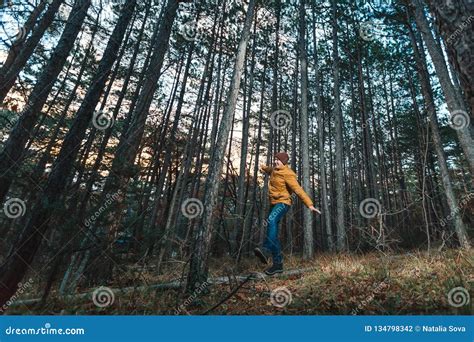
pixel 10 157
pixel 308 249
pixel 239 228
pixel 338 122
pixel 459 228
pixel 456 24
pixel 203 234
pixel 123 166
pixel 326 217
pixel 17 264
pixel 455 107
pixel 21 51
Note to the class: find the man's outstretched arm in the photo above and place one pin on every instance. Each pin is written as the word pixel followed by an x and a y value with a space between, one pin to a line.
pixel 293 184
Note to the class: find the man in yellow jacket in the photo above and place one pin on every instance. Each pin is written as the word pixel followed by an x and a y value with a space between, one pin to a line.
pixel 282 185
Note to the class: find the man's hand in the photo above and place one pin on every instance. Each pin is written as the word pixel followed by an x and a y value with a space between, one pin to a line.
pixel 312 208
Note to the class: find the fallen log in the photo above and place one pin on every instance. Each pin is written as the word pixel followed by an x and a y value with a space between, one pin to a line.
pixel 175 284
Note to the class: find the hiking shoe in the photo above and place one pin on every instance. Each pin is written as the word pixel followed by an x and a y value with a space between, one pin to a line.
pixel 261 256
pixel 278 268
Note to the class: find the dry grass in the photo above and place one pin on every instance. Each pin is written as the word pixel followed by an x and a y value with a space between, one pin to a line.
pixel 413 283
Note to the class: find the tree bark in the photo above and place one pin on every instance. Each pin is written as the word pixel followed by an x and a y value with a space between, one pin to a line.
pixel 21 51
pixel 239 228
pixel 325 214
pixel 10 157
pixel 123 166
pixel 459 227
pixel 456 24
pixel 308 249
pixel 17 264
pixel 338 122
pixel 452 100
pixel 203 234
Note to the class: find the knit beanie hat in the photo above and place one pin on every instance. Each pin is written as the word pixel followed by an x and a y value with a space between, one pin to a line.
pixel 283 157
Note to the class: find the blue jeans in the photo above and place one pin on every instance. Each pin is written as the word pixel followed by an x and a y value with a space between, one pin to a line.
pixel 272 243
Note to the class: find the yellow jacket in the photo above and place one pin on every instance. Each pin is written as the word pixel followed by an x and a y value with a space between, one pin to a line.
pixel 282 184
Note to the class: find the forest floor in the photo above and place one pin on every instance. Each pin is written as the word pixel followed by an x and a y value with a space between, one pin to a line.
pixel 396 284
